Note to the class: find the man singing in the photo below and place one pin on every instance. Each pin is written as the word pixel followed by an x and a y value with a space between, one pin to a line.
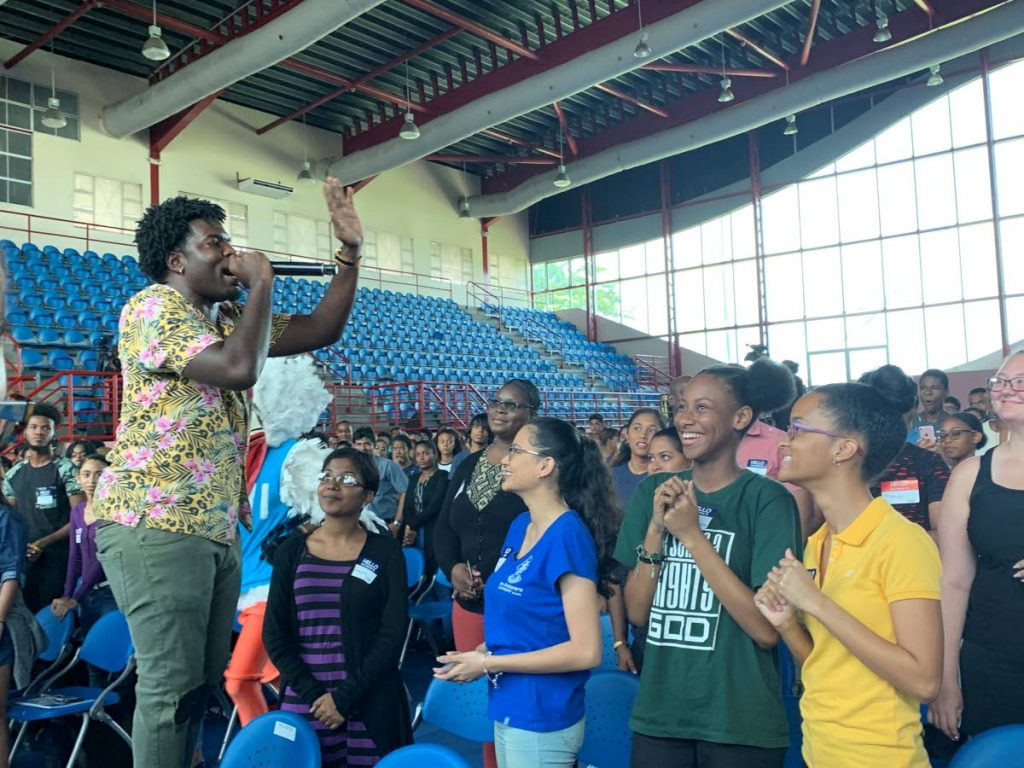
pixel 171 500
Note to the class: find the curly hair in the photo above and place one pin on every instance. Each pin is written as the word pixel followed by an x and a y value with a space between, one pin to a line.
pixel 47 411
pixel 164 228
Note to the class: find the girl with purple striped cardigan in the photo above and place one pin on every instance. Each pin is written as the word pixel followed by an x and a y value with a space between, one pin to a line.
pixel 336 619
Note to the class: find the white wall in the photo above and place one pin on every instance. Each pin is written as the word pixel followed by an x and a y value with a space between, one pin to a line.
pixel 418 200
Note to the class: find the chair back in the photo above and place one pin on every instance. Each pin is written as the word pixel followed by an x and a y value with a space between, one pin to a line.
pixel 459 709
pixel 443 580
pixel 609 658
pixel 607 740
pixel 419 755
pixel 58 632
pixel 413 566
pixel 1001 747
pixel 109 644
pixel 274 740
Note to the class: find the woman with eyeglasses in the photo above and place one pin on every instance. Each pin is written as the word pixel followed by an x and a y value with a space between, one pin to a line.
pixel 860 613
pixel 336 620
pixel 981 536
pixel 476 515
pixel 960 438
pixel 541 625
pixel 698 544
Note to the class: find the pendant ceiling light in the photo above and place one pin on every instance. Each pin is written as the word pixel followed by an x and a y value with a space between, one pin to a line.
pixel 409 130
pixel 53 117
pixel 155 49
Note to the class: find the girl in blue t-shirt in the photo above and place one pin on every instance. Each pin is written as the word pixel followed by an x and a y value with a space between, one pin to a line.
pixel 541 625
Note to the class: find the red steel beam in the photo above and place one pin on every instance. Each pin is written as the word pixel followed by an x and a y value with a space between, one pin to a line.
pixel 145 13
pixel 51 33
pixel 496 134
pixel 307 69
pixel 828 54
pixel 432 42
pixel 471 26
pixel 492 159
pixel 805 54
pixel 757 48
pixel 698 69
pixel 631 99
pixel 621 23
pixel 565 129
pixel 167 130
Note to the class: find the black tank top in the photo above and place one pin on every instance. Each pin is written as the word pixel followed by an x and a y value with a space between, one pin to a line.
pixel 995 612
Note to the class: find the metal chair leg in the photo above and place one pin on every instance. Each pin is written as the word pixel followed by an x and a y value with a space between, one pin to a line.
pixel 227 733
pixel 79 741
pixel 405 645
pixel 18 738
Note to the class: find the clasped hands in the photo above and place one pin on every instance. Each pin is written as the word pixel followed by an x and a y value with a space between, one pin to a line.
pixel 789 588
pixel 675 510
pixel 326 711
pixel 461 667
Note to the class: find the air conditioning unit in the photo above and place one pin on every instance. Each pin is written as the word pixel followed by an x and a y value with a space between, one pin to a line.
pixel 264 188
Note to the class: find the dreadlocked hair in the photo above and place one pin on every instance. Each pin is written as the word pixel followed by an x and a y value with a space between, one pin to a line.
pixel 164 228
pixel 586 486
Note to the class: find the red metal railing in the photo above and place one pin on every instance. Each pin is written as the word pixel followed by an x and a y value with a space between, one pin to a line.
pixel 90 401
pixel 12 362
pixel 652 370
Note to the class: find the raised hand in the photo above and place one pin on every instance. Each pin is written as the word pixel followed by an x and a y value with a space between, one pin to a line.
pixel 341 205
pixel 681 518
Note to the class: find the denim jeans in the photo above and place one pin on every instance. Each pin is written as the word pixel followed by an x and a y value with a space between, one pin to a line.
pixel 178 593
pixel 518 748
pixel 94 605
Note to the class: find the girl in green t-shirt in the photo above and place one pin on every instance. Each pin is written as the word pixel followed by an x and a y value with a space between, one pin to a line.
pixel 698 543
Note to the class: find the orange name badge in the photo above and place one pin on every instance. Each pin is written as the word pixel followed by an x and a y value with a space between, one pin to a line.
pixel 901 491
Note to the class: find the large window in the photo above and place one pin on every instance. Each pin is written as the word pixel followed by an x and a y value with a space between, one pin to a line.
pixel 236 220
pixel 302 236
pixel 887 254
pixel 108 202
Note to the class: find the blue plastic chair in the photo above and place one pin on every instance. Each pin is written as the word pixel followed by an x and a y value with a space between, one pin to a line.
pixel 274 740
pixel 459 709
pixel 420 755
pixel 609 659
pixel 1001 747
pixel 413 566
pixel 58 635
pixel 607 740
pixel 108 646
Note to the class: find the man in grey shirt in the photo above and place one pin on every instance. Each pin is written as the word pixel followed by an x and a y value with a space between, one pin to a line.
pixel 393 481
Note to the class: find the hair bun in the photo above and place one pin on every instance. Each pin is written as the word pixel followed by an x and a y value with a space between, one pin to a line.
pixel 893 386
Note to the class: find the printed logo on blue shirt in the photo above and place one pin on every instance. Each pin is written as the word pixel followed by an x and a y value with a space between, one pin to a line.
pixel 508 583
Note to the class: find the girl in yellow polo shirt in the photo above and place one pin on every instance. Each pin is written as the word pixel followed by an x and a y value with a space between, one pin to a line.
pixel 861 613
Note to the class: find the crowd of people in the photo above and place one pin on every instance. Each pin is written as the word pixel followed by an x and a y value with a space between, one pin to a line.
pixel 875 537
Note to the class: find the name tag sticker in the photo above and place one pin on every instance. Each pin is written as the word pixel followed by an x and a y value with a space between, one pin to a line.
pixel 704 516
pixel 501 560
pixel 901 491
pixel 366 570
pixel 78 535
pixel 760 466
pixel 46 497
pixel 285 731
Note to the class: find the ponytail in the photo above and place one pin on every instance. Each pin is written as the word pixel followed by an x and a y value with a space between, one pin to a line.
pixel 586 486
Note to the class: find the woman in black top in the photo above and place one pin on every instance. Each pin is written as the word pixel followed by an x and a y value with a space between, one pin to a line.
pixel 476 516
pixel 336 619
pixel 423 504
pixel 981 540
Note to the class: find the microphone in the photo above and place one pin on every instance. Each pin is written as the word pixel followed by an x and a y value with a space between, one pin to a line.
pixel 303 269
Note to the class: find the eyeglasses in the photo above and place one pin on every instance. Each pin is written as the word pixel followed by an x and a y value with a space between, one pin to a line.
pixel 953 434
pixel 514 450
pixel 509 406
pixel 348 480
pixel 995 384
pixel 796 428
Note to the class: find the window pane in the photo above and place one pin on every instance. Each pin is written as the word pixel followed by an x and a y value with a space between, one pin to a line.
pixel 936 201
pixel 823 276
pixel 786 341
pixel 973 190
pixel 1009 162
pixel 634 303
pixel 719 307
pixel 865 331
pixel 689 287
pixel 783 287
pixel 743 233
pixel 657 306
pixel 982 328
pixel 578 271
pixel 540 279
pixel 686 249
pixel 1012 232
pixel 978 260
pixel 902 266
pixel 819 213
pixel 940 265
pixel 906 340
pixel 1015 317
pixel 696 342
pixel 722 346
pixel 655 250
pixel 930 126
pixel 632 261
pixel 607 266
pixel 1007 105
pixel 716 240
pixel 826 334
pixel 897 199
pixel 858 205
pixel 862 276
pixel 862 157
pixel 944 329
pixel 829 368
pixel 780 221
pixel 894 143
pixel 606 298
pixel 967 114
pixel 864 360
pixel 558 274
pixel 745 286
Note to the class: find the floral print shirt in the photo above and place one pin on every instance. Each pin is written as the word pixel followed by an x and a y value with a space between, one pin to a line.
pixel 180 451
